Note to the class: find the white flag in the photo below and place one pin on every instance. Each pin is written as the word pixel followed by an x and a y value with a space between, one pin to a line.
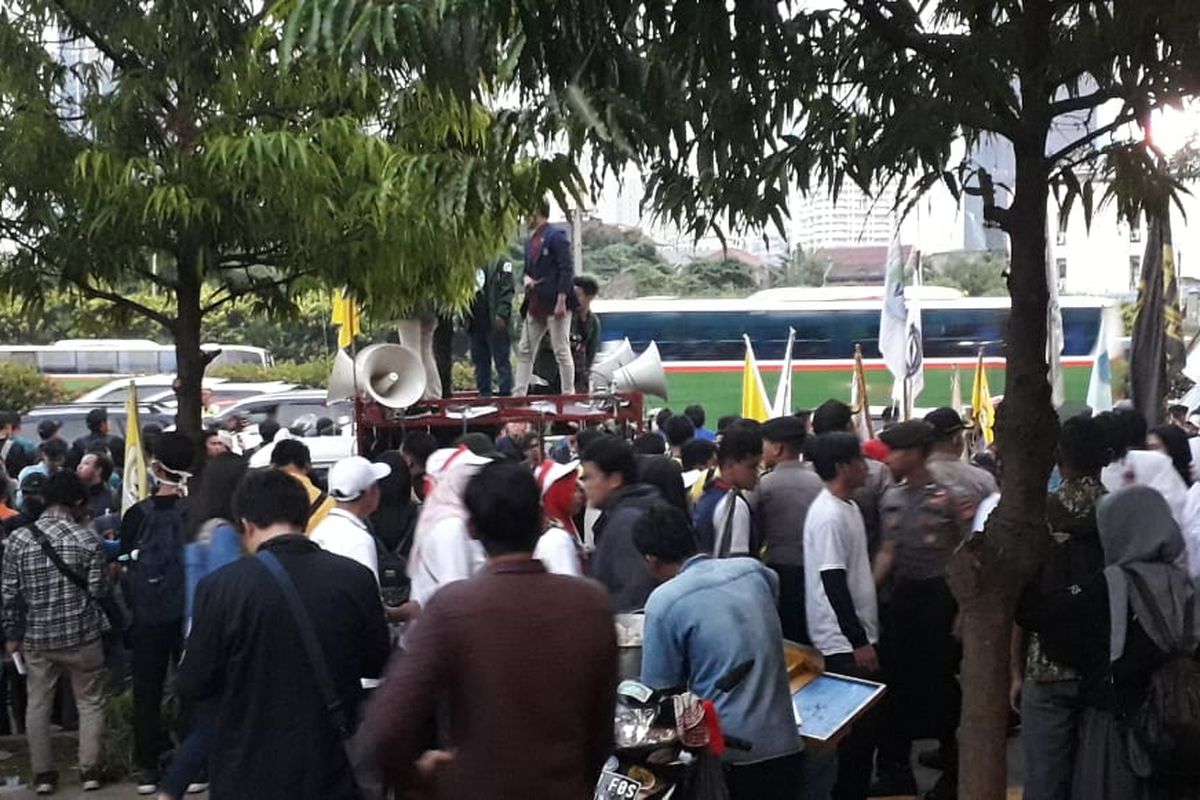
pixel 1099 396
pixel 783 392
pixel 914 358
pixel 893 320
pixel 1054 334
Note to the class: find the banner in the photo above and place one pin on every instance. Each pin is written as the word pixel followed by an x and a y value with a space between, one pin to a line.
pixel 1054 334
pixel 893 320
pixel 1157 351
pixel 982 410
pixel 754 393
pixel 783 392
pixel 1099 396
pixel 135 481
pixel 346 317
pixel 860 403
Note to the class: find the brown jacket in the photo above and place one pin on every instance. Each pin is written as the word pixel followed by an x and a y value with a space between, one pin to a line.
pixel 526 663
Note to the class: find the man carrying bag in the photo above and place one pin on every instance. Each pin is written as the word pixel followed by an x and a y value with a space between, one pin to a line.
pixel 282 642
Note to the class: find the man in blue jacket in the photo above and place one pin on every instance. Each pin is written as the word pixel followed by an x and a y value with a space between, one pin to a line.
pixel 549 300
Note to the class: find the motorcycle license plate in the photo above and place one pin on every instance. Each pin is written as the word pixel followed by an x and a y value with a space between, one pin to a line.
pixel 615 786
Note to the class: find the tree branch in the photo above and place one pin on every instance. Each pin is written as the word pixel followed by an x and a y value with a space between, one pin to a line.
pixel 125 60
pixel 118 58
pixel 1083 102
pixel 1001 217
pixel 999 116
pixel 1124 118
pixel 123 301
pixel 252 287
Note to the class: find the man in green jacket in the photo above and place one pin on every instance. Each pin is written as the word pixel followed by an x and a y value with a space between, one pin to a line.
pixel 488 326
pixel 585 341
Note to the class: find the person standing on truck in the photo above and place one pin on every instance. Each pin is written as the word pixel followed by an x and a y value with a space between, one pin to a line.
pixel 549 300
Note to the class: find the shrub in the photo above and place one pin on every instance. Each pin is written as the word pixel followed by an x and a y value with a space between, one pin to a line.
pixel 313 374
pixel 23 388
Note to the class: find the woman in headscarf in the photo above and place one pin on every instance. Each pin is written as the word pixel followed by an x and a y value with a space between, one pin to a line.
pixel 1173 441
pixel 396 516
pixel 443 550
pixel 1101 628
pixel 664 474
pixel 558 548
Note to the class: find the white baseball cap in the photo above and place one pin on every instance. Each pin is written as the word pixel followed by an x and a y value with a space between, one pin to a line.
pixel 352 476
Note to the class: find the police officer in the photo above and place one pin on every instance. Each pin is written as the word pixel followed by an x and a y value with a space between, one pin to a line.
pixel 946 464
pixel 923 522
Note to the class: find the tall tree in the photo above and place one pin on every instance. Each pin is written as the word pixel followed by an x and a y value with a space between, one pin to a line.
pixel 726 105
pixel 167 144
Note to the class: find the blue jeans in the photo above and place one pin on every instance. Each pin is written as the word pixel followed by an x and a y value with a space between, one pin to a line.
pixel 191 759
pixel 490 346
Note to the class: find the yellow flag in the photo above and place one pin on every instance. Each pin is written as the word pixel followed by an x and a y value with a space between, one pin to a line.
pixel 754 393
pixel 347 317
pixel 981 402
pixel 135 482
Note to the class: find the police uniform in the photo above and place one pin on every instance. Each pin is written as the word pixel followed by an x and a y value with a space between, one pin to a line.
pixel 925 524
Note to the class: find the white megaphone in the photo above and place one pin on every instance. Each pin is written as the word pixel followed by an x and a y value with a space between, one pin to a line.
pixel 644 374
pixel 341 379
pixel 391 375
pixel 602 372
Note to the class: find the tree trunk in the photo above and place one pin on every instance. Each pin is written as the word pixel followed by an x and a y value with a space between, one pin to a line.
pixel 988 574
pixel 189 360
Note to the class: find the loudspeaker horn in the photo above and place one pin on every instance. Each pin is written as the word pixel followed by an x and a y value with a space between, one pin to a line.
pixel 644 374
pixel 602 372
pixel 341 379
pixel 391 375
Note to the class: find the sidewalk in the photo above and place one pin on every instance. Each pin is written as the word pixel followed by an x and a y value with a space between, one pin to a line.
pixel 14 763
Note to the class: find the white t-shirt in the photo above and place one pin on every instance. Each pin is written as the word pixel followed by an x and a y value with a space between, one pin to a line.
pixel 557 551
pixel 835 538
pixel 739 533
pixel 446 554
pixel 346 535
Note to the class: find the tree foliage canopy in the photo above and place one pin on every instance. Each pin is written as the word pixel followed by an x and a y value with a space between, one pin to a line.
pixel 726 106
pixel 168 144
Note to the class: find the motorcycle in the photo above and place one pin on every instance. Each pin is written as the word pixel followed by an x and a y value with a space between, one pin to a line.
pixel 652 760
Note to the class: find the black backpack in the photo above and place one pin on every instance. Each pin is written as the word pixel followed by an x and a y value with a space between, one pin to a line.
pixel 156 576
pixel 1165 729
pixel 394 584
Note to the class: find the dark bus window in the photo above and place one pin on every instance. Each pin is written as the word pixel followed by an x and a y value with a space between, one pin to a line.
pixel 717 335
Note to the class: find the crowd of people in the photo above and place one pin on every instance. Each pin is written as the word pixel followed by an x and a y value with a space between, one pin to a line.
pixel 439 620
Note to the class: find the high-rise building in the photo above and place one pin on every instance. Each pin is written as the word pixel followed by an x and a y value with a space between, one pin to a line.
pixel 854 219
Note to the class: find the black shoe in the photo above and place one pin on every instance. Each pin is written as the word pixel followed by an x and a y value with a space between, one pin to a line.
pixel 45 782
pixel 945 789
pixel 893 783
pixel 933 759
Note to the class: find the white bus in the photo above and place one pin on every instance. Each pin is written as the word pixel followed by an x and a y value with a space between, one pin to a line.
pixel 99 357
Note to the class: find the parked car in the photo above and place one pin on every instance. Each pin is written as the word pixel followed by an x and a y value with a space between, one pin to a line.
pixel 150 388
pixel 325 451
pixel 73 417
pixel 297 409
pixel 226 393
